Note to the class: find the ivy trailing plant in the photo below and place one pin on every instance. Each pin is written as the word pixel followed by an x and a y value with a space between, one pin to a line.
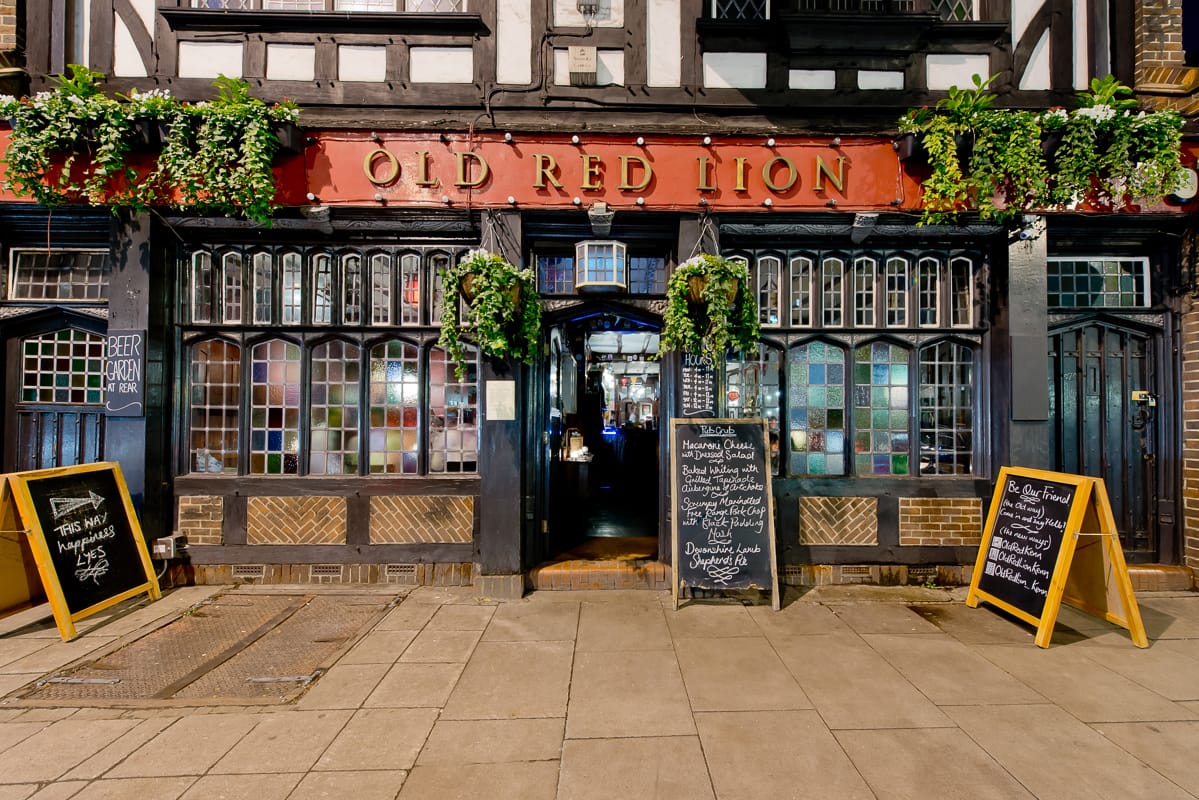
pixel 1110 153
pixel 709 308
pixel 503 309
pixel 72 144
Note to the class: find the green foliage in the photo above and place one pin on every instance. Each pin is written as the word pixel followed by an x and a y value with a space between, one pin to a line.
pixel 72 144
pixel 1110 153
pixel 725 315
pixel 503 317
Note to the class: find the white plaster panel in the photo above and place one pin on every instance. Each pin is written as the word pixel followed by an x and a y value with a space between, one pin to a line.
pixel 1022 13
pixel 513 42
pixel 210 59
pixel 880 79
pixel 610 14
pixel 945 70
pixel 363 63
pixel 663 44
pixel 609 67
pixel 126 62
pixel 820 79
pixel 441 64
pixel 735 70
pixel 1036 74
pixel 290 62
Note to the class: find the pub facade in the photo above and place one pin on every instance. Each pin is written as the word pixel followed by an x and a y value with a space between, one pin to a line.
pixel 296 419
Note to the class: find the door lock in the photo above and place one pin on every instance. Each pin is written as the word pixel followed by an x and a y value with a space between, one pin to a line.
pixel 1144 396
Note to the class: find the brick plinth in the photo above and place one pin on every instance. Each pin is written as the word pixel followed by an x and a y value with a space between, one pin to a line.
pixel 200 519
pixel 940 521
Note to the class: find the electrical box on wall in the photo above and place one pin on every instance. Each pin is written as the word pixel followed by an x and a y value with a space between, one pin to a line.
pixel 581 62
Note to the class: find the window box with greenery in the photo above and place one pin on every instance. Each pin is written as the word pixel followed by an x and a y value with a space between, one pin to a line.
pixel 1006 162
pixel 72 145
pixel 503 310
pixel 709 308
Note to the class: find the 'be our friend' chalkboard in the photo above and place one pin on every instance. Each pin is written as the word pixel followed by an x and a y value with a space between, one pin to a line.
pixel 1050 538
pixel 85 538
pixel 723 512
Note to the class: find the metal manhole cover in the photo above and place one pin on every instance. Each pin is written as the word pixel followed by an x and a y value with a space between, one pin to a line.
pixel 239 648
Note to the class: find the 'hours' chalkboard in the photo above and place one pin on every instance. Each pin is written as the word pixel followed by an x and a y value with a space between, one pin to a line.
pixel 698 386
pixel 723 514
pixel 1031 516
pixel 85 537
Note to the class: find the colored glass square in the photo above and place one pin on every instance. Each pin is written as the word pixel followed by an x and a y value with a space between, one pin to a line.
pixel 834 442
pixel 817 418
pixel 816 465
pixel 880 396
pixel 836 396
pixel 836 373
pixel 861 442
pixel 862 464
pixel 836 419
pixel 799 464
pixel 899 397
pixel 816 373
pixel 799 441
pixel 799 418
pixel 880 441
pixel 861 373
pixel 880 375
pixel 899 465
pixel 274 464
pixel 834 464
pixel 816 395
pixel 898 420
pixel 861 396
pixel 899 443
pixel 882 465
pixel 816 442
pixel 899 374
pixel 861 417
pixel 879 419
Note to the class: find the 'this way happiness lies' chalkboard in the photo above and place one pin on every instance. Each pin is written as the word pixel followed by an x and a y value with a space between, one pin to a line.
pixel 85 537
pixel 723 512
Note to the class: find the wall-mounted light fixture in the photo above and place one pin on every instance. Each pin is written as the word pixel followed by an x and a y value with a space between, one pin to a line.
pixel 575 140
pixel 508 138
pixel 770 142
pixel 768 202
pixel 641 141
pixel 707 140
pixel 511 200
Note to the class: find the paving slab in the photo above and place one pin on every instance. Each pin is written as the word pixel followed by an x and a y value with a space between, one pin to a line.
pixel 1165 668
pixel 622 693
pixel 852 686
pixel 379 737
pixel 1082 686
pixel 652 768
pixel 146 731
pixel 948 672
pixel 59 790
pixel 415 686
pixel 343 686
pixel 882 618
pixel 534 620
pixel 287 742
pixel 48 659
pixel 58 747
pixel 797 619
pixel 439 645
pixel 408 616
pixel 493 741
pixel 135 789
pixel 757 754
pixel 191 746
pixel 373 785
pixel 509 680
pixel 933 762
pixel 536 780
pixel 983 625
pixel 736 675
pixel 239 787
pixel 379 647
pixel 461 618
pixel 1168 747
pixel 700 619
pixel 1052 754
pixel 607 626
pixel 20 791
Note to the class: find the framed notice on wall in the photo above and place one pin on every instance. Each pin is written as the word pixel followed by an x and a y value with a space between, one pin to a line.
pixel 722 522
pixel 85 538
pixel 1050 538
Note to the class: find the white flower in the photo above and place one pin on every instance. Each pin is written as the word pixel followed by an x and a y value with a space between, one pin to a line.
pixel 1057 113
pixel 1099 113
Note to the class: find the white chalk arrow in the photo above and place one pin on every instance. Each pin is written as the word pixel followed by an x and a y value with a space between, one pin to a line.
pixel 65 505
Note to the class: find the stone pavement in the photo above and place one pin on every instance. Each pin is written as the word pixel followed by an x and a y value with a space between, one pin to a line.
pixel 848 692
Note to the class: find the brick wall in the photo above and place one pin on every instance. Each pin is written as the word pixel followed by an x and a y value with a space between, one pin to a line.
pixel 1158 35
pixel 1190 432
pixel 8 25
pixel 838 520
pixel 200 518
pixel 940 520
pixel 296 520
pixel 446 574
pixel 415 519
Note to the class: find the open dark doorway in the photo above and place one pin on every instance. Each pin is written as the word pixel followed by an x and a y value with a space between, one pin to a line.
pixel 603 395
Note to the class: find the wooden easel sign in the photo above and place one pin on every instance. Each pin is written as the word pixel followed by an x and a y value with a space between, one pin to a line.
pixel 85 538
pixel 722 522
pixel 1050 538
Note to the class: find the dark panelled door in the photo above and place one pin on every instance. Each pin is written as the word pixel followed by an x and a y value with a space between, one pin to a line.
pixel 1099 429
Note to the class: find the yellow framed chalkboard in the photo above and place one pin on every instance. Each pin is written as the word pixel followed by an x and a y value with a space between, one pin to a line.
pixel 85 537
pixel 1050 538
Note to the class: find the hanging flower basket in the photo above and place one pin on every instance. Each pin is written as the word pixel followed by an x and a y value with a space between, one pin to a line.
pixel 707 309
pixel 503 314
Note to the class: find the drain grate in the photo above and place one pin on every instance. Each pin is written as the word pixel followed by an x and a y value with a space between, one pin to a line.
pixel 249 570
pixel 237 648
pixel 400 573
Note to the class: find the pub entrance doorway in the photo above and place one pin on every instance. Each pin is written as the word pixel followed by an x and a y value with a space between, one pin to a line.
pixel 601 463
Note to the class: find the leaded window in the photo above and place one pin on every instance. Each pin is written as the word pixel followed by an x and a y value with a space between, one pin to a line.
pixel 744 10
pixel 201 286
pixel 863 292
pixel 769 275
pixel 410 286
pixel 293 283
pixel 231 276
pixel 555 274
pixel 1107 282
pixel 928 292
pixel 896 282
pixel 453 419
pixel 816 420
pixel 334 382
pixel 752 390
pixel 832 291
pixel 946 409
pixel 380 289
pixel 64 366
pixel 275 408
pixel 214 385
pixel 264 287
pixel 801 292
pixel 647 275
pixel 351 282
pixel 394 407
pixel 322 289
pixel 60 276
pixel 881 411
pixel 961 298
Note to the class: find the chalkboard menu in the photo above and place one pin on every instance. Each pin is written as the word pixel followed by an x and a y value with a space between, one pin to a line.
pixel 124 371
pixel 698 386
pixel 85 537
pixel 723 514
pixel 1026 539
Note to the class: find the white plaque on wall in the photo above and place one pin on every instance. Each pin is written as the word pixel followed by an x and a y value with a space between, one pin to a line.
pixel 501 401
